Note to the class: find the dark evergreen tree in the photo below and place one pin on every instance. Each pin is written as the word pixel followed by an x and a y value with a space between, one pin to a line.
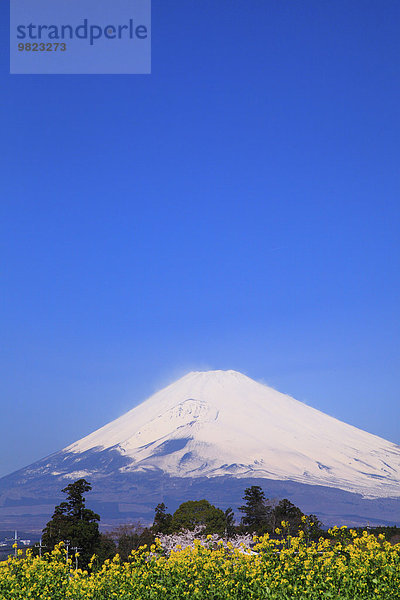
pixel 256 511
pixel 289 513
pixel 74 524
pixel 147 537
pixel 162 520
pixel 230 528
pixel 126 543
pixel 106 549
pixel 313 527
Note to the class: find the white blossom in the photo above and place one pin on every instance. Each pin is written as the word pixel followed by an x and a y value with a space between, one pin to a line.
pixel 183 539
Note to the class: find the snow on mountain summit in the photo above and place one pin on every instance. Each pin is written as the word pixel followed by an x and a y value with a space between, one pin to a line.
pixel 212 423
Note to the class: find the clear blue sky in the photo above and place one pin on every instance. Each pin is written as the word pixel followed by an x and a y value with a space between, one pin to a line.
pixel 238 208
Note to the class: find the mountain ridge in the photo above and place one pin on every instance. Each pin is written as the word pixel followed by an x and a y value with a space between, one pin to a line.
pixel 214 423
pixel 210 435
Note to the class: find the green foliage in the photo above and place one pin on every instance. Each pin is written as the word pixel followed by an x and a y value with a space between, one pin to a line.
pixel 230 527
pixel 261 517
pixel 291 514
pixel 391 533
pixel 162 520
pixel 74 524
pixel 313 528
pixel 199 512
pixel 106 549
pixel 128 537
pixel 256 511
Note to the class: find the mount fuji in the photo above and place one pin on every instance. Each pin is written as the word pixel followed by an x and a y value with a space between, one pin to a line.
pixel 207 435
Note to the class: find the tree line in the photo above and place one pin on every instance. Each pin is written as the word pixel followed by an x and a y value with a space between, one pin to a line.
pixel 78 526
pixel 260 516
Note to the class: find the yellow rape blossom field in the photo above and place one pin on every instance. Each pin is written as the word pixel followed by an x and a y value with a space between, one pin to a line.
pixel 351 566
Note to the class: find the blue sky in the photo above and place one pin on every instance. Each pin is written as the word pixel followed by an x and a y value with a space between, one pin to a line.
pixel 238 208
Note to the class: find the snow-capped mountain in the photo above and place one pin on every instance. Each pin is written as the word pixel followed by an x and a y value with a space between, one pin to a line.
pixel 211 435
pixel 222 423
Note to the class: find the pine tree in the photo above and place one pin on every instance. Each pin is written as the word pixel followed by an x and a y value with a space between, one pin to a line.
pixel 72 522
pixel 289 513
pixel 162 520
pixel 230 522
pixel 256 510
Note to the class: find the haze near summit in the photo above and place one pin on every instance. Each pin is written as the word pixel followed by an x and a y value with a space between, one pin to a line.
pixel 211 434
pixel 218 423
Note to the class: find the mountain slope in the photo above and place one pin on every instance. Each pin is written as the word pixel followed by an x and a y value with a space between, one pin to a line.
pixel 211 435
pixel 219 423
